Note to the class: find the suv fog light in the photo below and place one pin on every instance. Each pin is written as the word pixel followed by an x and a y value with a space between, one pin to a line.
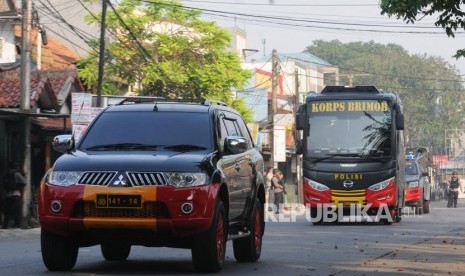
pixel 56 206
pixel 187 208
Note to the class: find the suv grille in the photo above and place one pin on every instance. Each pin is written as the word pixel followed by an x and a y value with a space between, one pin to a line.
pixel 146 178
pixel 96 178
pixel 136 179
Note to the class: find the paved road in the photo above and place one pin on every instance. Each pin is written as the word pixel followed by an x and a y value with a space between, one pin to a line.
pixel 431 244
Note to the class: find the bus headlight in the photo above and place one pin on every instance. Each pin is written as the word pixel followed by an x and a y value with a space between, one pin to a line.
pixel 316 186
pixel 381 185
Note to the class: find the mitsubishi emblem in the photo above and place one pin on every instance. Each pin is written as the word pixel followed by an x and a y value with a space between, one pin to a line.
pixel 120 181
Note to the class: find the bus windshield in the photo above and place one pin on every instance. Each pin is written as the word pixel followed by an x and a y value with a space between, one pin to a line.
pixel 362 131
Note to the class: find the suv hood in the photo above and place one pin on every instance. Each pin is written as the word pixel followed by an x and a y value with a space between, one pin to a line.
pixel 149 161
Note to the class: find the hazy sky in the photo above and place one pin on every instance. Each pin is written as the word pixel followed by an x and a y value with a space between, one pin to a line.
pixel 291 25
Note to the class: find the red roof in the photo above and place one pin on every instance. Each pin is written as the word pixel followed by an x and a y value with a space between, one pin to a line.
pixel 54 54
pixel 50 81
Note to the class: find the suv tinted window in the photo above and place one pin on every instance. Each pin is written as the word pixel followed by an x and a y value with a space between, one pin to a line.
pixel 150 128
pixel 231 127
pixel 245 131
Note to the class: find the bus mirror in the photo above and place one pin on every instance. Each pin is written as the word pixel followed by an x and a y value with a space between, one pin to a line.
pixel 399 121
pixel 399 117
pixel 300 118
pixel 298 147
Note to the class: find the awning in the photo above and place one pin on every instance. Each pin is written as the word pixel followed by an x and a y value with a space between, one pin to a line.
pixel 52 123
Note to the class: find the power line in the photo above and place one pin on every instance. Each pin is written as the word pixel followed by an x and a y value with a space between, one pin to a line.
pixel 291 21
pixel 144 51
pixel 375 73
pixel 284 5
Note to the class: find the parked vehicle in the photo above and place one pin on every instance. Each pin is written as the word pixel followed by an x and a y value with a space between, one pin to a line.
pixel 158 173
pixel 418 190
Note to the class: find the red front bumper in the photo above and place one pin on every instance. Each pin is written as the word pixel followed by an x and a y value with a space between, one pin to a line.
pixel 315 198
pixel 160 211
pixel 413 195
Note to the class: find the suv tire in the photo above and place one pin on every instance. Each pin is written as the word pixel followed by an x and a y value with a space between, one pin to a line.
pixel 115 252
pixel 58 253
pixel 426 206
pixel 248 249
pixel 208 250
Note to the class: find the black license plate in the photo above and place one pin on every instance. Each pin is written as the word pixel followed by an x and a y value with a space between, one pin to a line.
pixel 118 201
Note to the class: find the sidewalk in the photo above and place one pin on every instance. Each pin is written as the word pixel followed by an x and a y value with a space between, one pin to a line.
pixel 17 233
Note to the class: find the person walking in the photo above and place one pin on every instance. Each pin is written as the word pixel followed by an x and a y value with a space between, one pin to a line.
pixel 13 184
pixel 454 185
pixel 269 188
pixel 277 182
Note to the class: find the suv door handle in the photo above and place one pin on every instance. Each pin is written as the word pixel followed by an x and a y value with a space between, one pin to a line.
pixel 237 167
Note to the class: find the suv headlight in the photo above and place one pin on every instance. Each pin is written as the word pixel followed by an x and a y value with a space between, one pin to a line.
pixel 381 185
pixel 413 184
pixel 63 178
pixel 317 186
pixel 180 180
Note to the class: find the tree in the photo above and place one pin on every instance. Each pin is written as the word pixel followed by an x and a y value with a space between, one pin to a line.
pixel 449 14
pixel 430 89
pixel 166 50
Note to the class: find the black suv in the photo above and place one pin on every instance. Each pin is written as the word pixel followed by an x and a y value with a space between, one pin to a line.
pixel 158 173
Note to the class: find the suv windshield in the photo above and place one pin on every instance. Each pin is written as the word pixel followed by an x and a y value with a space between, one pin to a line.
pixel 149 130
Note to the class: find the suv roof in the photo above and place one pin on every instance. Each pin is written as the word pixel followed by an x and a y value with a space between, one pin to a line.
pixel 177 105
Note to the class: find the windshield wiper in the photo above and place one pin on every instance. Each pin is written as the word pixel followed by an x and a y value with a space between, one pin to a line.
pixel 184 147
pixel 130 146
pixel 335 155
pixel 373 158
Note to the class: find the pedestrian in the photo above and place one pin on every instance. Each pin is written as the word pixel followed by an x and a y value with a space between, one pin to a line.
pixel 13 184
pixel 454 185
pixel 269 188
pixel 278 189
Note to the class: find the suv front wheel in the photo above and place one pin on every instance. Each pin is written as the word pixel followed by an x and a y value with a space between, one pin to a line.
pixel 248 249
pixel 58 253
pixel 208 250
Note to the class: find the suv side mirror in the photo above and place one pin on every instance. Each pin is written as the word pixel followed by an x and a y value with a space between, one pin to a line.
pixel 235 144
pixel 63 143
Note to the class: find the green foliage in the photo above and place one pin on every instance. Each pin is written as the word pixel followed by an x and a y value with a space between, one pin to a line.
pixel 431 90
pixel 449 15
pixel 166 51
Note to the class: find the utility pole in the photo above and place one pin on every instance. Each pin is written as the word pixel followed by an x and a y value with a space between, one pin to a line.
pixel 25 88
pixel 101 61
pixel 300 195
pixel 274 106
